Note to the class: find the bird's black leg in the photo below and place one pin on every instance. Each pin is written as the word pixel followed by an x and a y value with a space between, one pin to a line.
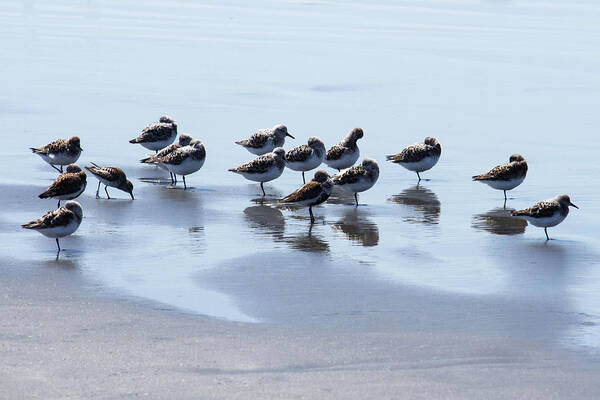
pixel 98 191
pixel 505 196
pixel 175 177
pixel 184 185
pixel 546 231
pixel 505 203
pixel 312 217
pixel 61 169
pixel 172 180
pixel 57 245
pixel 263 189
pixel 419 176
pixel 303 180
pixel 356 198
pixel 55 168
pixel 106 190
pixel 58 204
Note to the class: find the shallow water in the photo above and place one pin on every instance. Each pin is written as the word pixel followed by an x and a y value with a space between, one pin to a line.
pixel 488 79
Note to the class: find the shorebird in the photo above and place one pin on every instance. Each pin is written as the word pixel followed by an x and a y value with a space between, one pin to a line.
pixel 346 152
pixel 419 157
pixel 358 178
pixel 306 157
pixel 111 176
pixel 60 152
pixel 185 160
pixel 547 213
pixel 312 193
pixel 266 140
pixel 158 135
pixel 184 140
pixel 264 168
pixel 58 223
pixel 506 176
pixel 68 186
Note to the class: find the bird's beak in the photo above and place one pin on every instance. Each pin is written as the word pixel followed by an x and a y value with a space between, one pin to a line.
pixel 80 149
pixel 571 204
pixel 287 134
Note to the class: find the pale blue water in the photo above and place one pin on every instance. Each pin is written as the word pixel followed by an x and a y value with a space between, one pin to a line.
pixel 488 79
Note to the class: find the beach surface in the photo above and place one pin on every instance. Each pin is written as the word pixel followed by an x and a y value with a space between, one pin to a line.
pixel 426 290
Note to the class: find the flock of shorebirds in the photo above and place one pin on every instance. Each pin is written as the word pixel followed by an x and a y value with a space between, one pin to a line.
pixel 187 156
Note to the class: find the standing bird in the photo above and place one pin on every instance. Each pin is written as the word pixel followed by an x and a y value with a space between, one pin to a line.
pixel 266 140
pixel 419 157
pixel 185 160
pixel 158 135
pixel 306 157
pixel 60 152
pixel 312 193
pixel 547 213
pixel 111 176
pixel 184 140
pixel 506 176
pixel 264 168
pixel 68 186
pixel 58 223
pixel 358 178
pixel 346 152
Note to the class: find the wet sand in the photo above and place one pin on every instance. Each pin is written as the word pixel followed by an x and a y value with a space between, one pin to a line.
pixel 64 338
pixel 423 291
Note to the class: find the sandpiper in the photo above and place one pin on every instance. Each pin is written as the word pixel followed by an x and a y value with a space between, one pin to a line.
pixel 111 176
pixel 158 135
pixel 60 152
pixel 547 213
pixel 506 176
pixel 68 186
pixel 312 193
pixel 419 157
pixel 58 223
pixel 264 141
pixel 358 178
pixel 306 157
pixel 184 140
pixel 185 160
pixel 264 168
pixel 346 152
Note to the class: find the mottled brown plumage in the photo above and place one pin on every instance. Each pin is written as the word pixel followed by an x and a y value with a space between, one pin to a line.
pixel 312 193
pixel 516 168
pixel 417 152
pixel 184 140
pixel 69 185
pixel 111 176
pixel 60 152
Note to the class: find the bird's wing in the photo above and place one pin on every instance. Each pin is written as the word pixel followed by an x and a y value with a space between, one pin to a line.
pixel 257 166
pixel 350 175
pixel 539 210
pixel 335 152
pixel 308 191
pixel 300 153
pixel 153 133
pixel 65 183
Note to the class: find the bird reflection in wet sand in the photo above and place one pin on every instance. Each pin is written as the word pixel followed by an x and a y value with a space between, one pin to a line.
pixel 499 222
pixel 424 203
pixel 269 221
pixel 358 228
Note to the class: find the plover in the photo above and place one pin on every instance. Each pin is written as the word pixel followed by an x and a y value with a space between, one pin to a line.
pixel 312 193
pixel 306 157
pixel 158 135
pixel 345 153
pixel 547 213
pixel 266 140
pixel 60 152
pixel 264 168
pixel 68 186
pixel 111 176
pixel 419 157
pixel 358 178
pixel 185 160
pixel 506 176
pixel 58 223
pixel 184 140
